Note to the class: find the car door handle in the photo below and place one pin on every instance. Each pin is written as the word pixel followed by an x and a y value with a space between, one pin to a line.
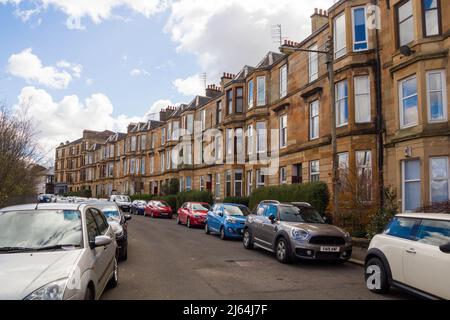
pixel 412 251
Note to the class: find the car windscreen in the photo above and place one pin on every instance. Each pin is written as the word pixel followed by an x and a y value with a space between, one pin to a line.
pixel 201 207
pixel 40 229
pixel 303 215
pixel 123 198
pixel 160 203
pixel 236 210
pixel 111 212
pixel 140 203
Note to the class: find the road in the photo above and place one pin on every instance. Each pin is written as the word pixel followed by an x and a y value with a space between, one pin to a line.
pixel 168 261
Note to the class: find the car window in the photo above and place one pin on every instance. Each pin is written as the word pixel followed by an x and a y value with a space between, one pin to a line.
pixel 434 232
pixel 404 228
pixel 260 210
pixel 231 210
pixel 271 211
pixel 102 224
pixel 200 206
pixel 91 226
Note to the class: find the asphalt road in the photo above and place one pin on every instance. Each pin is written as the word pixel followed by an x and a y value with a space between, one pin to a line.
pixel 168 261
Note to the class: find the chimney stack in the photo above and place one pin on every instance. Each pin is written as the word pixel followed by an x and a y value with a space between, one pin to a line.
pixel 213 91
pixel 318 19
pixel 163 115
pixel 226 78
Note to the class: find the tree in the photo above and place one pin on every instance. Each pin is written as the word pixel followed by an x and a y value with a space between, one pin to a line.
pixel 18 156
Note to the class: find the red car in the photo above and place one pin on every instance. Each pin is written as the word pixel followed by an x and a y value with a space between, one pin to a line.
pixel 158 209
pixel 193 214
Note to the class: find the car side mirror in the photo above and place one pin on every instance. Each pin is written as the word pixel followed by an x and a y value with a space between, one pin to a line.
pixel 127 217
pixel 272 218
pixel 220 213
pixel 101 241
pixel 445 248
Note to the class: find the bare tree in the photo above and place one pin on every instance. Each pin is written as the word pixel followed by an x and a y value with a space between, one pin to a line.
pixel 18 155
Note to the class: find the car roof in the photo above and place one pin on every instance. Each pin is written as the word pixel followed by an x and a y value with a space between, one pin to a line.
pixel 301 204
pixel 433 216
pixel 232 204
pixel 48 206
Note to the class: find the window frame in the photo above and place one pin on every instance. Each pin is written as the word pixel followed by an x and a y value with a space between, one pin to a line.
pixel 283 119
pixel 397 22
pixel 311 174
pixel 263 102
pixel 424 19
pixel 447 158
pixel 403 174
pixel 338 105
pixel 239 98
pixel 229 99
pixel 313 59
pixel 250 93
pixel 368 93
pixel 401 99
pixel 443 93
pixel 365 30
pixel 283 81
pixel 312 119
pixel 339 53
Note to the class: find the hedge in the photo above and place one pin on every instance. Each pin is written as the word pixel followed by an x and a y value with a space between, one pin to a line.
pixel 239 200
pixel 194 196
pixel 315 193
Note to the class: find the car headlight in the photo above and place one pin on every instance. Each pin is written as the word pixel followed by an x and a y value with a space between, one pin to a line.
pixel 119 232
pixel 348 237
pixel 230 220
pixel 51 291
pixel 299 234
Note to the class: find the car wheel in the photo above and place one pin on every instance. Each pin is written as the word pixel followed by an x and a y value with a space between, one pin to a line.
pixel 223 236
pixel 247 241
pixel 188 223
pixel 282 251
pixel 376 276
pixel 89 294
pixel 124 255
pixel 207 229
pixel 152 215
pixel 178 220
pixel 115 278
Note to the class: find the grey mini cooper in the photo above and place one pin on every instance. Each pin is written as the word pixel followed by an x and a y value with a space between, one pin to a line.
pixel 295 230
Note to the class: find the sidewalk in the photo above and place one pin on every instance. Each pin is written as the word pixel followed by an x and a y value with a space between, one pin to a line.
pixel 359 251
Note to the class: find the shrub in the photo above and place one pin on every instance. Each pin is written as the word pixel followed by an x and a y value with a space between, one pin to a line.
pixel 194 196
pixel 315 193
pixel 171 188
pixel 379 220
pixel 239 200
pixel 171 200
pixel 144 197
pixel 82 193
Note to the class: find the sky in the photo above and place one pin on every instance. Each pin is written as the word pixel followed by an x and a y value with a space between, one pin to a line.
pixel 101 64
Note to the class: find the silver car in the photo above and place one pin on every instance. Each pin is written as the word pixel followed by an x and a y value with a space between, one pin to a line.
pixel 56 251
pixel 295 230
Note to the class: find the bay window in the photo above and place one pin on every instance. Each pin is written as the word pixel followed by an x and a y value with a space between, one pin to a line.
pixel 405 23
pixel 260 91
pixel 283 81
pixel 239 100
pixel 360 36
pixel 342 103
pixel 340 42
pixel 283 131
pixel 409 113
pixel 439 185
pixel 362 99
pixel 314 120
pixel 431 20
pixel 411 189
pixel 250 94
pixel 436 96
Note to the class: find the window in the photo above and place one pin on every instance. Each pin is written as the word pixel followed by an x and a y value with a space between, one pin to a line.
pixel 228 183
pixel 260 179
pixel 249 182
pixel 219 112
pixel 313 62
pixel 343 170
pixel 439 180
pixel 230 101
pixel 436 96
pixel 168 160
pixel 187 154
pixel 340 43
pixel 238 177
pixel 403 228
pixel 218 147
pixel 250 138
pixel 283 131
pixel 314 120
pixel 229 142
pixel 188 184
pixel 283 178
pixel 142 165
pixel 161 162
pixel 261 133
pixel 132 165
pixel 405 23
pixel 431 19
pixel 202 183
pixel 217 189
pixel 239 141
pixel 411 185
pixel 409 113
pixel 91 226
pixel 190 123
pixel 362 99
pixel 239 100
pixel 181 184
pixel 314 171
pixel 283 81
pixel 169 131
pixel 260 91
pixel 342 103
pixel 434 232
pixel 203 119
pixel 360 37
pixel 152 164
pixel 176 130
pixel 152 138
pixel 163 136
pixel 250 94
pixel 364 170
pixel 133 143
pixel 143 142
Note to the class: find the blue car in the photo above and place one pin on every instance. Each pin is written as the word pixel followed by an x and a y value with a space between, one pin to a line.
pixel 227 219
pixel 138 207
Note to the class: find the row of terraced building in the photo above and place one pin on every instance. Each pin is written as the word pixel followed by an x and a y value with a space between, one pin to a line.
pixel 391 117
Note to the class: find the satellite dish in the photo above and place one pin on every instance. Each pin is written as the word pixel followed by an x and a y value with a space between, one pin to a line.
pixel 406 51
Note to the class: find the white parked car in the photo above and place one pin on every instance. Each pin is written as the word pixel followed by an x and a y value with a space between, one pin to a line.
pixel 412 254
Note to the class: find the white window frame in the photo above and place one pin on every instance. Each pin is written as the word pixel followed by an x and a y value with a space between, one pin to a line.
pixel 260 81
pixel 249 181
pixel 229 141
pixel 202 183
pixel 217 188
pixel 241 181
pixel 250 139
pixel 368 167
pixel 162 163
pixel 283 128
pixel 163 136
pixel 203 119
pixel 353 29
pixel 443 93
pixel 152 164
pixel 260 179
pixel 409 181
pixel 168 160
pixel 190 123
pixel 311 173
pixel 313 63
pixel 250 93
pixel 338 105
pixel 312 118
pixel 188 186
pixel 398 22
pixel 283 81
pixel 401 99
pixel 357 94
pixel 340 52
pixel 442 179
pixel 283 175
pixel 259 148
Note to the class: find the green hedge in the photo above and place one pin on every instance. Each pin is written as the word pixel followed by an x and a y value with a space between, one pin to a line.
pixel 315 193
pixel 171 200
pixel 145 197
pixel 239 200
pixel 194 196
pixel 82 193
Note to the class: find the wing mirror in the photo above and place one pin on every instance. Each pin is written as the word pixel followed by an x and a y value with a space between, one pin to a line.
pixel 445 248
pixel 127 217
pixel 101 241
pixel 220 213
pixel 272 218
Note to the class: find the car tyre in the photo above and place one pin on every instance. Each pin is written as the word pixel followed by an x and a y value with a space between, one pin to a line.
pixel 247 240
pixel 207 231
pixel 384 282
pixel 188 223
pixel 89 294
pixel 114 282
pixel 222 235
pixel 282 251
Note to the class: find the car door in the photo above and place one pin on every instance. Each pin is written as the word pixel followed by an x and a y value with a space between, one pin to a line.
pixel 426 266
pixel 269 228
pixel 104 256
pixel 214 218
pixel 257 224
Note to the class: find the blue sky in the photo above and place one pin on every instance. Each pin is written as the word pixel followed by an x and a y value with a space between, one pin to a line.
pixel 128 58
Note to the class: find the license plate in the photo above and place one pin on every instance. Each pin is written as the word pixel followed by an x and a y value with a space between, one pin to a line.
pixel 329 249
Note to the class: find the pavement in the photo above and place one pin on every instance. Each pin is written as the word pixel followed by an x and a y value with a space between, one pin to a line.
pixel 167 261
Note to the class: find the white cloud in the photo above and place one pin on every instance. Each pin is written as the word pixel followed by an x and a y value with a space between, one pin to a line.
pixel 139 72
pixel 225 35
pixel 190 86
pixel 89 82
pixel 29 67
pixel 155 108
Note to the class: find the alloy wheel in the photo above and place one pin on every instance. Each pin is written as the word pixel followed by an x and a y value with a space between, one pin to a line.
pixel 281 250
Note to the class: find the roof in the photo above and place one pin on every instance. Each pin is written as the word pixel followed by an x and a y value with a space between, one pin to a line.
pixel 198 102
pixel 43 206
pixel 270 59
pixel 433 216
pixel 242 75
pixel 116 137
